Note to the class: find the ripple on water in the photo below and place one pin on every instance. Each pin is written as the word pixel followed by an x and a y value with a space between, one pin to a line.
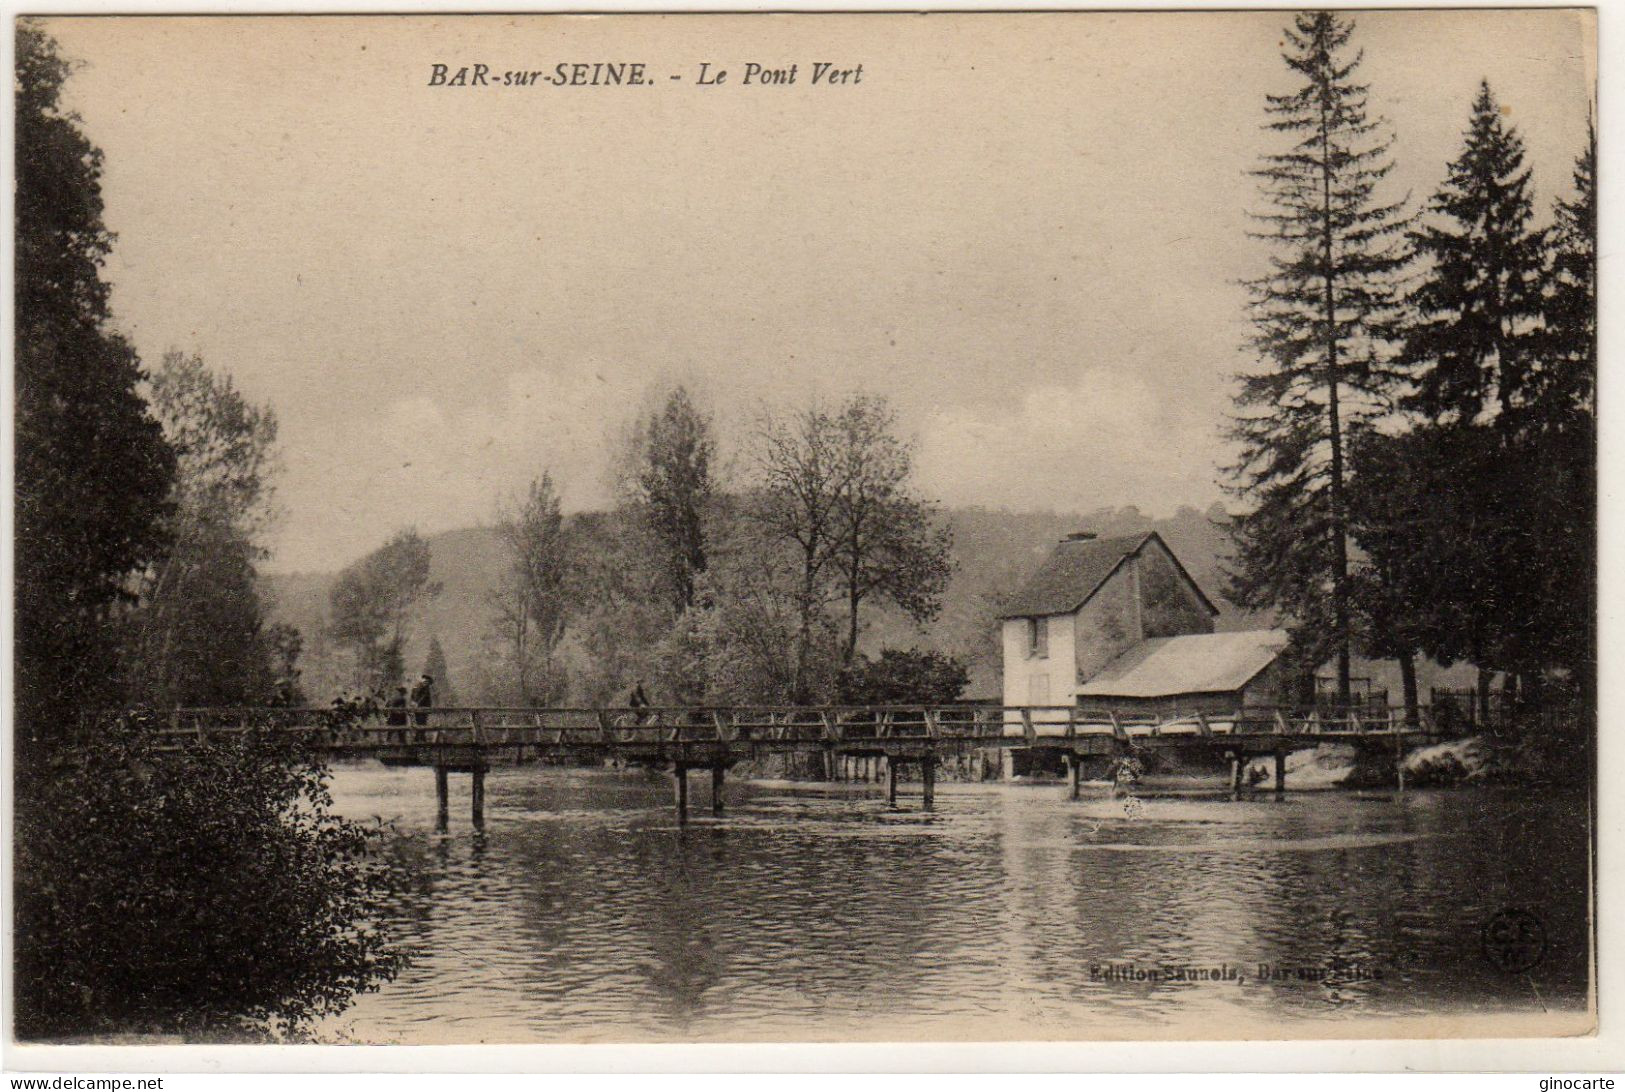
pixel 586 913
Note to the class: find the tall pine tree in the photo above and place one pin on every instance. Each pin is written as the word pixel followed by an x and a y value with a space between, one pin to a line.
pixel 1474 342
pixel 434 666
pixel 1566 388
pixel 1323 318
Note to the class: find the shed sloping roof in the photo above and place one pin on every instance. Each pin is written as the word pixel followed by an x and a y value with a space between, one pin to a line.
pixel 1070 575
pixel 1197 663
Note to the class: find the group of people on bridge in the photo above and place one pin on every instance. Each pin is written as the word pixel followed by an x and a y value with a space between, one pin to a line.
pixel 420 696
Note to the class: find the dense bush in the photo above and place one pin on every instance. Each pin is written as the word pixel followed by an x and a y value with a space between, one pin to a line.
pixel 206 892
pixel 898 677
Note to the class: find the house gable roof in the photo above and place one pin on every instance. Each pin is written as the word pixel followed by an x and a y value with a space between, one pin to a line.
pixel 1077 568
pixel 1196 663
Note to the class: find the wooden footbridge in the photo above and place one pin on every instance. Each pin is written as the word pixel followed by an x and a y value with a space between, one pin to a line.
pixel 471 740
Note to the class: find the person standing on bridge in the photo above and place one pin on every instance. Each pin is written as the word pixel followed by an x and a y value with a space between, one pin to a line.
pixel 423 697
pixel 639 701
pixel 397 710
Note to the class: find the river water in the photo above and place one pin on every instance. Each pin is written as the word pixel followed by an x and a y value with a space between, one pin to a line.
pixel 585 913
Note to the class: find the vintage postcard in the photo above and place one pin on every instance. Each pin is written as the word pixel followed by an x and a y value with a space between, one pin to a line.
pixel 703 528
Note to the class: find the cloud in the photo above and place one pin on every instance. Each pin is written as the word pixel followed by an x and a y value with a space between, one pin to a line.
pixel 1109 438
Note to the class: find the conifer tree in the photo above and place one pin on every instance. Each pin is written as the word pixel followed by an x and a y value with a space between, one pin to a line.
pixel 1474 341
pixel 1566 387
pixel 434 666
pixel 1324 319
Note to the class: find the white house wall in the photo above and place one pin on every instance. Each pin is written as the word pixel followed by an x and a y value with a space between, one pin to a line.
pixel 1056 669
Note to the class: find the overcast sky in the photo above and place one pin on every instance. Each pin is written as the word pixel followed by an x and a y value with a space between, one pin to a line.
pixel 1025 230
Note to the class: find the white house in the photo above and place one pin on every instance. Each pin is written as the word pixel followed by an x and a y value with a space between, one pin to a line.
pixel 1118 623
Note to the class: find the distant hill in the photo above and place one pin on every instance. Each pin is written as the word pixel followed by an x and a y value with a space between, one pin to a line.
pixel 994 551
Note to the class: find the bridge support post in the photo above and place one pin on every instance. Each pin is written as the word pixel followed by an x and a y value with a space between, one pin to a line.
pixel 1280 772
pixel 442 794
pixel 1075 773
pixel 1236 767
pixel 928 775
pixel 718 774
pixel 680 772
pixel 891 780
pixel 478 793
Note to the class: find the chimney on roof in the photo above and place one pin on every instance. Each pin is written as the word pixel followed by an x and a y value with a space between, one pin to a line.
pixel 1079 536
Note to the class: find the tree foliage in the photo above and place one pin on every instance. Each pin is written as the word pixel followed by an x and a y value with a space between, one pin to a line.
pixel 200 635
pixel 892 546
pixel 1324 318
pixel 832 491
pixel 208 892
pixel 1474 339
pixel 673 490
pixel 533 598
pixel 92 471
pixel 1563 394
pixel 370 607
pixel 748 641
pixel 1477 517
pixel 904 677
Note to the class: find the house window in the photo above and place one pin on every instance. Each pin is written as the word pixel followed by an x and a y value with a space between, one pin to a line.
pixel 1038 637
pixel 1038 690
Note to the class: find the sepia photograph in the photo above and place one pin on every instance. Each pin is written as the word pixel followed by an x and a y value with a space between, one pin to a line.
pixel 804 528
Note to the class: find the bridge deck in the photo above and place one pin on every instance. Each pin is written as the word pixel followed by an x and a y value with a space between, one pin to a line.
pixel 722 732
pixel 468 739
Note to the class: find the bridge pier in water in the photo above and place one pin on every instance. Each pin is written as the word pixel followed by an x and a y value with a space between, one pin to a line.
pixel 719 777
pixel 442 792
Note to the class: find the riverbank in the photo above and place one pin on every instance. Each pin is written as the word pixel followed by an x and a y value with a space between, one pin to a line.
pixel 1470 760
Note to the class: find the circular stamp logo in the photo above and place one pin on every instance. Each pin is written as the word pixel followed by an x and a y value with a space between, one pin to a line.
pixel 1514 940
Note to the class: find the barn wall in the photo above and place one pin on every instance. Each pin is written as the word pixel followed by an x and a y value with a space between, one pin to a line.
pixel 1170 607
pixel 1107 625
pixel 1272 686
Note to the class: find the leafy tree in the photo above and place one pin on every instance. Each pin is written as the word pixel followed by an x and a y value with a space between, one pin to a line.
pixel 92 471
pixel 832 489
pixel 208 892
pixel 1475 338
pixel 898 677
pixel 1323 316
pixel 796 506
pixel 371 604
pixel 200 635
pixel 286 644
pixel 892 546
pixel 532 600
pixel 747 641
pixel 618 624
pixel 672 490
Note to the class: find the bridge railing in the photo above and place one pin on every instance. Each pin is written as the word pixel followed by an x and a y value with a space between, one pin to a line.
pixel 654 727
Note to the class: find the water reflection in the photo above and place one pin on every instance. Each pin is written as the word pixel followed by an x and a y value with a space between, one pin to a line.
pixel 586 913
